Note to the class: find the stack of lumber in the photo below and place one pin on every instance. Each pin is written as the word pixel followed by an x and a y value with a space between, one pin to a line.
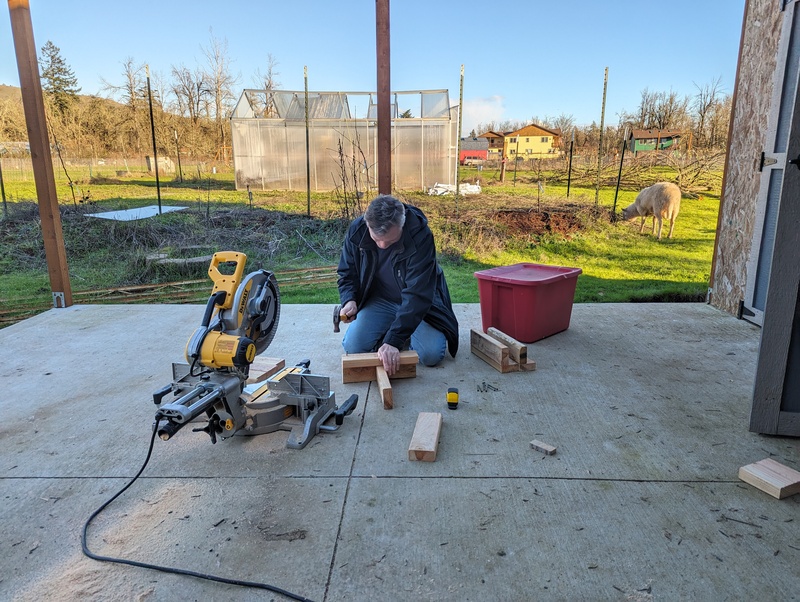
pixel 499 350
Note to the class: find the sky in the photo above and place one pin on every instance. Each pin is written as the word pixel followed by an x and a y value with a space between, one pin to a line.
pixel 522 60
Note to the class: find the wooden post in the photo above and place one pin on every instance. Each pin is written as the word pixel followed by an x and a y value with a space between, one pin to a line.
pixel 384 97
pixel 308 148
pixel 44 178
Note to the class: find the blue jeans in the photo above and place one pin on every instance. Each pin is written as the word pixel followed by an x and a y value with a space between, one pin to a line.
pixel 366 332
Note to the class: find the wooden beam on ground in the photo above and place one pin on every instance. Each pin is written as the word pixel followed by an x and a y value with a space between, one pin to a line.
pixel 264 367
pixel 543 447
pixel 360 367
pixel 771 477
pixel 492 351
pixel 425 440
pixel 385 387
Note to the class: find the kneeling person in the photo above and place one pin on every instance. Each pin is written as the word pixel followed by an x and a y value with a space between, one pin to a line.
pixel 390 279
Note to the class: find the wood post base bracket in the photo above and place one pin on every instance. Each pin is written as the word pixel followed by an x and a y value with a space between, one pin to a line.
pixel 365 367
pixel 500 351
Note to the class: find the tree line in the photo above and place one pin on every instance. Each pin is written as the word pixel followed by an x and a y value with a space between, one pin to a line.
pixel 192 104
pixel 702 118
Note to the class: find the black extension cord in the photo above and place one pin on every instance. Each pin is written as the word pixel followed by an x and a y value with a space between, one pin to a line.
pixel 166 569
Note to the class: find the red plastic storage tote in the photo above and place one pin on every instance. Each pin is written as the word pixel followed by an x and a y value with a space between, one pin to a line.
pixel 527 301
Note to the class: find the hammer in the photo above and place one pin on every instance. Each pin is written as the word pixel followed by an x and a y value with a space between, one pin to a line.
pixel 338 317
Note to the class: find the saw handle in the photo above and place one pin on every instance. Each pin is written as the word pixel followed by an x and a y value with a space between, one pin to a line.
pixel 345 409
pixel 159 395
pixel 227 282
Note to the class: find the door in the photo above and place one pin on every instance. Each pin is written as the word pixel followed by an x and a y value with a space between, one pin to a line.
pixel 773 164
pixel 776 394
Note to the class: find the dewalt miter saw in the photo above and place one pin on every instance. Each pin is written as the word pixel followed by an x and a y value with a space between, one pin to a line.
pixel 239 323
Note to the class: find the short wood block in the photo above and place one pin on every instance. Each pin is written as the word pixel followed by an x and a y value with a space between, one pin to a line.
pixel 425 440
pixel 771 477
pixel 360 367
pixel 264 367
pixel 528 366
pixel 516 351
pixel 543 447
pixel 385 387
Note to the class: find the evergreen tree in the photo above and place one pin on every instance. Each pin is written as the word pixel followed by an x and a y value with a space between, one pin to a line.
pixel 58 80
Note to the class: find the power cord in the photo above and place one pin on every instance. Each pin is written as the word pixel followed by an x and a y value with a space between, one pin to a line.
pixel 165 569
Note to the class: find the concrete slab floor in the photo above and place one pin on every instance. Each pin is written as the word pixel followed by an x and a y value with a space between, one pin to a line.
pixel 648 406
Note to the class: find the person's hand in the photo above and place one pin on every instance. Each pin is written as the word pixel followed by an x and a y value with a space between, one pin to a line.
pixel 390 356
pixel 349 309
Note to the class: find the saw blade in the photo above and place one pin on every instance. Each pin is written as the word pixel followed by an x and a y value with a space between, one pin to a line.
pixel 255 311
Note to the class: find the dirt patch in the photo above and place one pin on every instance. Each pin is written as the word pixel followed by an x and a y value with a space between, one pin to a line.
pixel 537 223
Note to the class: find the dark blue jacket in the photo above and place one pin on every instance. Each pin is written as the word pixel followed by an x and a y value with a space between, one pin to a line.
pixel 424 293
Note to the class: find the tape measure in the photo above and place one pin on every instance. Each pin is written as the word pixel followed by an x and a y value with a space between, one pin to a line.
pixel 452 398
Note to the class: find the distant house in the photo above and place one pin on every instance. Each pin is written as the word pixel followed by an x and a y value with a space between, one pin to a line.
pixel 474 151
pixel 495 140
pixel 649 140
pixel 532 142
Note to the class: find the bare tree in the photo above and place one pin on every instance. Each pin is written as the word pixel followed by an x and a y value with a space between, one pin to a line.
pixel 220 81
pixel 670 112
pixel 718 122
pixel 190 89
pixel 133 94
pixel 269 79
pixel 705 104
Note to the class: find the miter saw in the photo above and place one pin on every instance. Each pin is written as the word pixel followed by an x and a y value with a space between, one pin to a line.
pixel 239 322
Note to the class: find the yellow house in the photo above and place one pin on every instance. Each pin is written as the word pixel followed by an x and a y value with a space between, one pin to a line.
pixel 532 142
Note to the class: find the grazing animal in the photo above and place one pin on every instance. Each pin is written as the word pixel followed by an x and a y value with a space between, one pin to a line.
pixel 661 200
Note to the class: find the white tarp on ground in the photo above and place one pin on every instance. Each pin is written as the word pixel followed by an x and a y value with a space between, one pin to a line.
pixel 440 189
pixel 130 215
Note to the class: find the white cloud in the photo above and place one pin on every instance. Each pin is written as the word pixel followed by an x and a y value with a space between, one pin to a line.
pixel 481 110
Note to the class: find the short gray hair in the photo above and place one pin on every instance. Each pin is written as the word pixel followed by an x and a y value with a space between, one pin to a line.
pixel 384 212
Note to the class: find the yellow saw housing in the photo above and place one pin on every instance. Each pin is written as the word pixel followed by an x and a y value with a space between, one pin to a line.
pixel 233 322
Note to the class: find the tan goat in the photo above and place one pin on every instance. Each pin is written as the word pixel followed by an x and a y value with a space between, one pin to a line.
pixel 661 200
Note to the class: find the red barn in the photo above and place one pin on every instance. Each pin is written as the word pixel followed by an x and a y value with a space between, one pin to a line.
pixel 474 151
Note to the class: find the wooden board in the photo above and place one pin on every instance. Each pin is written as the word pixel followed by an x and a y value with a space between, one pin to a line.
pixel 771 477
pixel 264 367
pixel 385 387
pixel 357 360
pixel 543 447
pixel 425 440
pixel 516 351
pixel 360 367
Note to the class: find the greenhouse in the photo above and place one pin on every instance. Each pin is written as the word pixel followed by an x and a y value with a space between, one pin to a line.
pixel 270 129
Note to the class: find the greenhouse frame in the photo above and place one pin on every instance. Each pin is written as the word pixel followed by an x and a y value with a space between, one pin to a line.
pixel 269 130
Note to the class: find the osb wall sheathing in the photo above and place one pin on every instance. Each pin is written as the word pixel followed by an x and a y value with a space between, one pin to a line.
pixel 753 93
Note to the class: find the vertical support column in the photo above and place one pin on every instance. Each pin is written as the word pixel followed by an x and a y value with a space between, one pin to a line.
pixel 44 178
pixel 384 97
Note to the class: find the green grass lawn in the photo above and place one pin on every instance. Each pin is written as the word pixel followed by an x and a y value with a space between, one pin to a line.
pixel 618 264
